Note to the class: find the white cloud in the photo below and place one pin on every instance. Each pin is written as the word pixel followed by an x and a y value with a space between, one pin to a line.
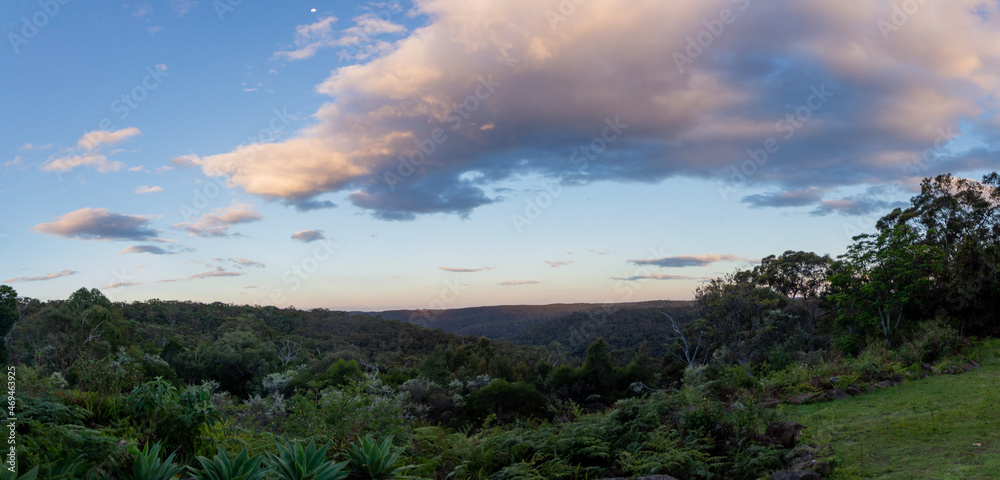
pixel 218 223
pixel 88 152
pixel 148 189
pixel 50 276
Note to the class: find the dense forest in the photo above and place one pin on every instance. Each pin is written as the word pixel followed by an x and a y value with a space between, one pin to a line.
pixel 164 389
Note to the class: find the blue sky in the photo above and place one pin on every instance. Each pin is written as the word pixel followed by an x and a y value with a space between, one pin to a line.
pixel 447 153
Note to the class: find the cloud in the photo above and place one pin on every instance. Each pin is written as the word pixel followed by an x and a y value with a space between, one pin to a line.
pixel 791 198
pixel 185 161
pixel 218 272
pixel 147 249
pixel 308 235
pixel 657 277
pixel 32 146
pixel 50 276
pixel 548 86
pixel 182 7
pixel 96 160
pixel 557 263
pixel 464 270
pixel 518 282
pixel 88 152
pixel 142 10
pixel 16 162
pixel 310 205
pixel 148 189
pixel 101 138
pixel 217 224
pixel 690 260
pixel 855 205
pixel 99 224
pixel 244 262
pixel 359 38
pixel 120 285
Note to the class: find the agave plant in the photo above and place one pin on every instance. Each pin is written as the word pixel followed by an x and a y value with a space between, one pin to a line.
pixel 224 467
pixel 148 466
pixel 6 474
pixel 371 460
pixel 295 462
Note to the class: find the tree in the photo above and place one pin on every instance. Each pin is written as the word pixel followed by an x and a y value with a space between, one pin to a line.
pixel 740 316
pixel 85 326
pixel 691 352
pixel 879 277
pixel 9 315
pixel 961 218
pixel 794 273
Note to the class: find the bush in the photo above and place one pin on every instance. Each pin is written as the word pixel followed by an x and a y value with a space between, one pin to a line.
pixel 506 400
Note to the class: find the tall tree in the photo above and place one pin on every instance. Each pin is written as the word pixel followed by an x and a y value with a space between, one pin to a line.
pixel 961 217
pixel 879 277
pixel 9 315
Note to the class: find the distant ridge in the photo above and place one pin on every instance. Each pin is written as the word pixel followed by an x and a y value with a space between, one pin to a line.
pixel 510 322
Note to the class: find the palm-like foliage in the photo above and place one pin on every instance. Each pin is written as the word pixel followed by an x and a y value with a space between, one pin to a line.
pixel 8 475
pixel 295 462
pixel 148 466
pixel 371 460
pixel 224 467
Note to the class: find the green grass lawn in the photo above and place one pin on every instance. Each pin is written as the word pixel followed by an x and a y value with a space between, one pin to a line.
pixel 922 429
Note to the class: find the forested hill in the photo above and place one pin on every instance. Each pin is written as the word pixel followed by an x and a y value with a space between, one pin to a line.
pixel 625 328
pixel 507 321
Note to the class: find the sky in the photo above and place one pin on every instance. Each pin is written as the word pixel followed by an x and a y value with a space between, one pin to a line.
pixel 453 153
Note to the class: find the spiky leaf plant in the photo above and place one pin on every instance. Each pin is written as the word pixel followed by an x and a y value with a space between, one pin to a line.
pixel 295 462
pixel 224 467
pixel 368 459
pixel 148 466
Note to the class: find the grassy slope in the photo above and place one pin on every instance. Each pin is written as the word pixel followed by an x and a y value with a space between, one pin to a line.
pixel 923 429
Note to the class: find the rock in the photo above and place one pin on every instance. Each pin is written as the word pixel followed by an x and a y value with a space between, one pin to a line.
pixel 801 398
pixel 973 363
pixel 770 403
pixel 835 394
pixel 853 390
pixel 882 384
pixel 834 379
pixel 800 475
pixel 785 434
pixel 822 468
pixel 735 406
pixel 967 367
pixel 926 366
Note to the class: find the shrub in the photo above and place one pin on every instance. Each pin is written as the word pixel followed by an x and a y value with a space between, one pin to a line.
pixel 174 416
